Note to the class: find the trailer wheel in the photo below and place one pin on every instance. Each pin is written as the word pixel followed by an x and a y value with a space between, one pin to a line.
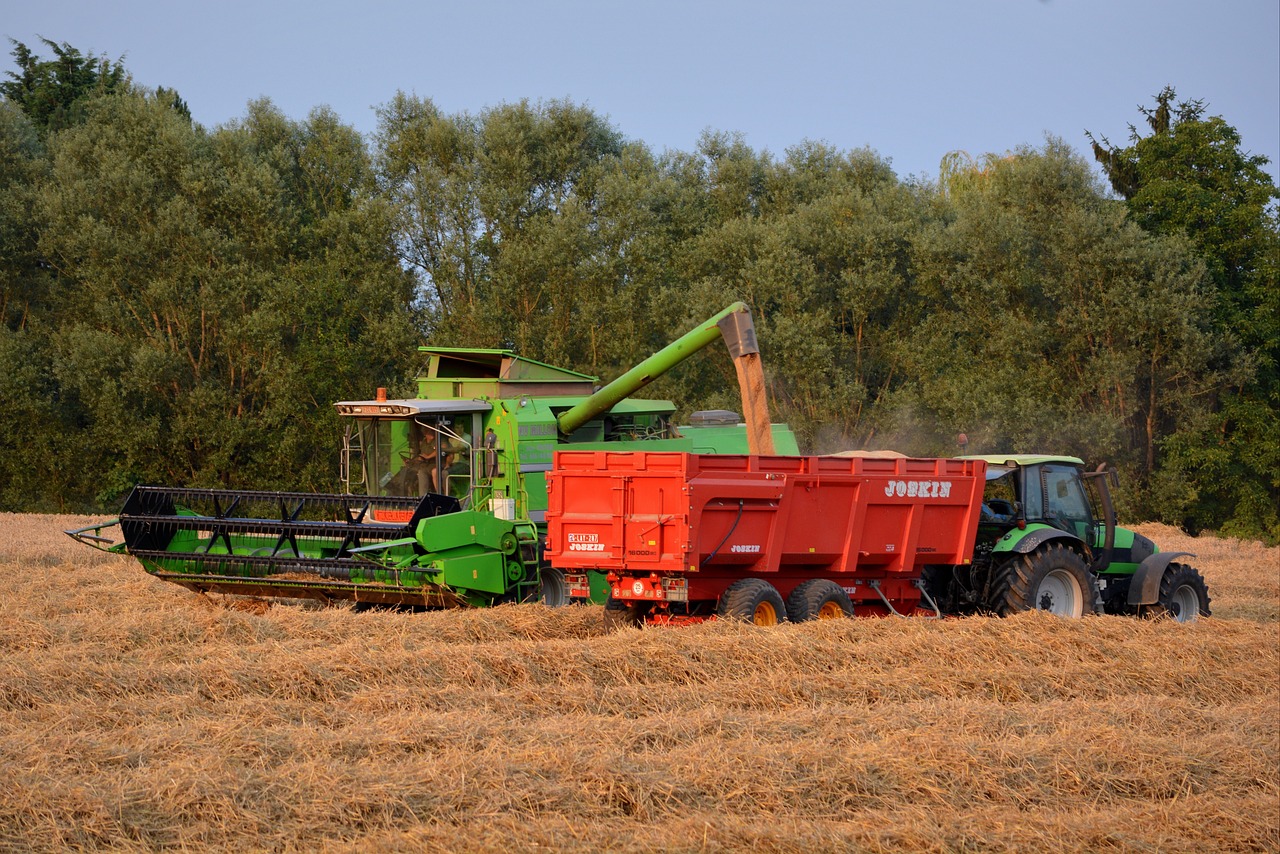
pixel 1184 596
pixel 1053 578
pixel 620 614
pixel 554 592
pixel 818 599
pixel 753 600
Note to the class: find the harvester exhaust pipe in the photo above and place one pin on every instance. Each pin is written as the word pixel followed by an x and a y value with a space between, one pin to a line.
pixel 735 326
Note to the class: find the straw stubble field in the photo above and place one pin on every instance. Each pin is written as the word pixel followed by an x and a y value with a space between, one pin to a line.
pixel 135 715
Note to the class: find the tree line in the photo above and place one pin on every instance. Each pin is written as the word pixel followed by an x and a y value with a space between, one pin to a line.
pixel 181 305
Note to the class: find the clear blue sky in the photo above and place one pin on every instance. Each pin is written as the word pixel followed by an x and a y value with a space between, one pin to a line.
pixel 911 79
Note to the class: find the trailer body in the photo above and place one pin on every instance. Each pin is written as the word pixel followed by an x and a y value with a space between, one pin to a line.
pixel 674 532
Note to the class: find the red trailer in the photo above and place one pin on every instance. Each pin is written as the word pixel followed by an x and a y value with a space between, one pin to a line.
pixel 682 537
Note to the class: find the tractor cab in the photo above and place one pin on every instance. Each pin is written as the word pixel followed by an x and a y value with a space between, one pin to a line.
pixel 1036 491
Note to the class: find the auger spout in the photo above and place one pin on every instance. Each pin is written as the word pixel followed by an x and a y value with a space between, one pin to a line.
pixel 735 326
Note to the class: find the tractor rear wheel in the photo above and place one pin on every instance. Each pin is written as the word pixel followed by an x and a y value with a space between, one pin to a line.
pixel 1184 596
pixel 753 600
pixel 1053 578
pixel 620 614
pixel 818 599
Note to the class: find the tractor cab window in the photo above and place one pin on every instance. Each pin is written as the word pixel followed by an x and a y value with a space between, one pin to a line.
pixel 1065 504
pixel 999 497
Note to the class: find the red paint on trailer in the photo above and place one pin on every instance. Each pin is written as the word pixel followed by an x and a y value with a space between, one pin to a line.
pixel 653 519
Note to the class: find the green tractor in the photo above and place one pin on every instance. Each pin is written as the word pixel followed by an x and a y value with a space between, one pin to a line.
pixel 445 494
pixel 1048 540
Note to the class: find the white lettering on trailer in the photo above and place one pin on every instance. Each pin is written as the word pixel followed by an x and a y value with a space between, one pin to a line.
pixel 584 538
pixel 586 547
pixel 745 549
pixel 918 488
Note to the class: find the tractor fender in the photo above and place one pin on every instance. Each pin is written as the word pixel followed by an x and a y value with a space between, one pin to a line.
pixel 1144 588
pixel 1031 539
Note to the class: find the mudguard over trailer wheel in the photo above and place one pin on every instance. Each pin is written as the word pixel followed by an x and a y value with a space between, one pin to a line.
pixel 1053 578
pixel 753 600
pixel 1184 596
pixel 818 599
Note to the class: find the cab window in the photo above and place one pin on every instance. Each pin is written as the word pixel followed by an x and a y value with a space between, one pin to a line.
pixel 1066 505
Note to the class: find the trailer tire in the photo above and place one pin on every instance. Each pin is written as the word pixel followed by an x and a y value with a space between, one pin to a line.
pixel 753 600
pixel 620 614
pixel 1184 597
pixel 1052 578
pixel 818 599
pixel 555 593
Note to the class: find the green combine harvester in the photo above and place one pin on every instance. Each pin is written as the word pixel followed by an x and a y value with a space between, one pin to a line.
pixel 446 497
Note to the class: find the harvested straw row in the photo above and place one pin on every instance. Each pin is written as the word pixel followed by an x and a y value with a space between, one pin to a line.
pixel 135 715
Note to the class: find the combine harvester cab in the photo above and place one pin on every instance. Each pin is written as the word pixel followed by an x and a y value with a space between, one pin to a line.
pixel 683 537
pixel 446 498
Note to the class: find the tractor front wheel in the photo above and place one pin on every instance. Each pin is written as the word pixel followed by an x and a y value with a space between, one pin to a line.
pixel 753 600
pixel 1053 578
pixel 1184 596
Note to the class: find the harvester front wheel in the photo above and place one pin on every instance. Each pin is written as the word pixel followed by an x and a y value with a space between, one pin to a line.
pixel 753 600
pixel 1053 578
pixel 1184 596
pixel 818 599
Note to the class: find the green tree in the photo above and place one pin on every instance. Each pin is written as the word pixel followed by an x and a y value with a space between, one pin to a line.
pixel 1190 178
pixel 220 290
pixel 496 214
pixel 1054 324
pixel 53 92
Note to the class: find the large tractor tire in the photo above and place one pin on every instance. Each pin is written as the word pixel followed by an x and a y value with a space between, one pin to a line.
pixel 1053 578
pixel 818 599
pixel 753 600
pixel 1184 596
pixel 619 614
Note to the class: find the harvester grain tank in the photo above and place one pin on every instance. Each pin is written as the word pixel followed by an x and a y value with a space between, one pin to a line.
pixel 445 494
pixel 683 537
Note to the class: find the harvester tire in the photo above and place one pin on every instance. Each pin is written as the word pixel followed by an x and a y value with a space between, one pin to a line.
pixel 554 592
pixel 753 600
pixel 1053 578
pixel 620 614
pixel 818 599
pixel 1184 597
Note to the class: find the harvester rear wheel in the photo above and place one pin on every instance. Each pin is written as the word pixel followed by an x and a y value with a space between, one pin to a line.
pixel 619 614
pixel 1053 578
pixel 818 599
pixel 554 592
pixel 1184 596
pixel 753 600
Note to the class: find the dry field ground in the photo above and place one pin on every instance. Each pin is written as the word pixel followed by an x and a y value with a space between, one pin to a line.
pixel 135 715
